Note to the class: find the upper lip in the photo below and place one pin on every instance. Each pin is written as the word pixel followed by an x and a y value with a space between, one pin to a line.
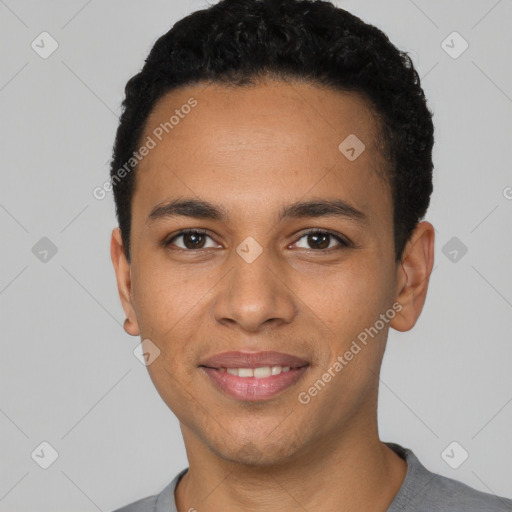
pixel 253 360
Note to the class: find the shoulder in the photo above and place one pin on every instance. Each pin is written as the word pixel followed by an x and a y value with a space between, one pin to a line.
pixel 425 491
pixel 163 502
pixel 144 505
pixel 449 494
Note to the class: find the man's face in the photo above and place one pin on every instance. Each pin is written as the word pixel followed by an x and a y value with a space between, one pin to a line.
pixel 256 280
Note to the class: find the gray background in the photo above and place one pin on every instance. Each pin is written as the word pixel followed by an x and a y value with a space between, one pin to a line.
pixel 67 371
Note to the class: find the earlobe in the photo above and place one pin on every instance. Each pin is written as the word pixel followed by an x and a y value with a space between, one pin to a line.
pixel 124 284
pixel 413 276
pixel 130 327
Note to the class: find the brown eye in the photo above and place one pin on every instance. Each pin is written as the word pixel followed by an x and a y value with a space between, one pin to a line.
pixel 322 240
pixel 190 240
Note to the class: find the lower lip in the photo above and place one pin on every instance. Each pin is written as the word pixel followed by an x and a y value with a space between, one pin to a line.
pixel 252 389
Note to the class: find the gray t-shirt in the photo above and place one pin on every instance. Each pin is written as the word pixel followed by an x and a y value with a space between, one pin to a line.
pixel 421 491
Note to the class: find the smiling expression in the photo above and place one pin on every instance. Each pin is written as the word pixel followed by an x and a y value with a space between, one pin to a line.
pixel 289 249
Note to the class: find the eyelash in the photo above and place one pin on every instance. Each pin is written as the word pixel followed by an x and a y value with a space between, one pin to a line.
pixel 343 243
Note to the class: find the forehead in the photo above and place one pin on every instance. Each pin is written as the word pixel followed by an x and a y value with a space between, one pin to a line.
pixel 276 141
pixel 264 114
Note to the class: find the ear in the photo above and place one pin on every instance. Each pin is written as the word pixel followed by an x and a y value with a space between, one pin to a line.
pixel 413 274
pixel 122 269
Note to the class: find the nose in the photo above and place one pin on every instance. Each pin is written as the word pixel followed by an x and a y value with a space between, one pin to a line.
pixel 254 295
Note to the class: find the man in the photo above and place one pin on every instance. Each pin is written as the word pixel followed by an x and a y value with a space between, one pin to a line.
pixel 271 169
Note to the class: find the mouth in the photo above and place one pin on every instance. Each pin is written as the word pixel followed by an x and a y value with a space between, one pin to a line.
pixel 254 376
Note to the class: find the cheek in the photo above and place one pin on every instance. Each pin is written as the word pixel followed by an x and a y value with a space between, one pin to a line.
pixel 171 305
pixel 174 388
pixel 350 297
pixel 351 303
pixel 163 296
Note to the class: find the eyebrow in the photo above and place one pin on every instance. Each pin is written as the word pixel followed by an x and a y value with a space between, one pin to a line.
pixel 200 209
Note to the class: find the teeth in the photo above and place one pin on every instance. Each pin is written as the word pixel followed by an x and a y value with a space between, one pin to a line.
pixel 264 371
pixel 245 372
pixel 258 373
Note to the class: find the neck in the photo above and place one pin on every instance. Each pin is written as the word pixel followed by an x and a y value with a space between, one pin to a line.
pixel 343 473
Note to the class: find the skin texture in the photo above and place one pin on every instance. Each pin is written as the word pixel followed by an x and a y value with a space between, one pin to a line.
pixel 254 150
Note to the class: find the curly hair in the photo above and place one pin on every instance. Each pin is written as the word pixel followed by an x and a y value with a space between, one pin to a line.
pixel 235 42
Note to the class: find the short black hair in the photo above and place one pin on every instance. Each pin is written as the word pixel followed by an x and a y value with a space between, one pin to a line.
pixel 236 42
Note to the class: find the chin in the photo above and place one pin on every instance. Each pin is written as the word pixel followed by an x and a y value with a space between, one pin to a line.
pixel 257 452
